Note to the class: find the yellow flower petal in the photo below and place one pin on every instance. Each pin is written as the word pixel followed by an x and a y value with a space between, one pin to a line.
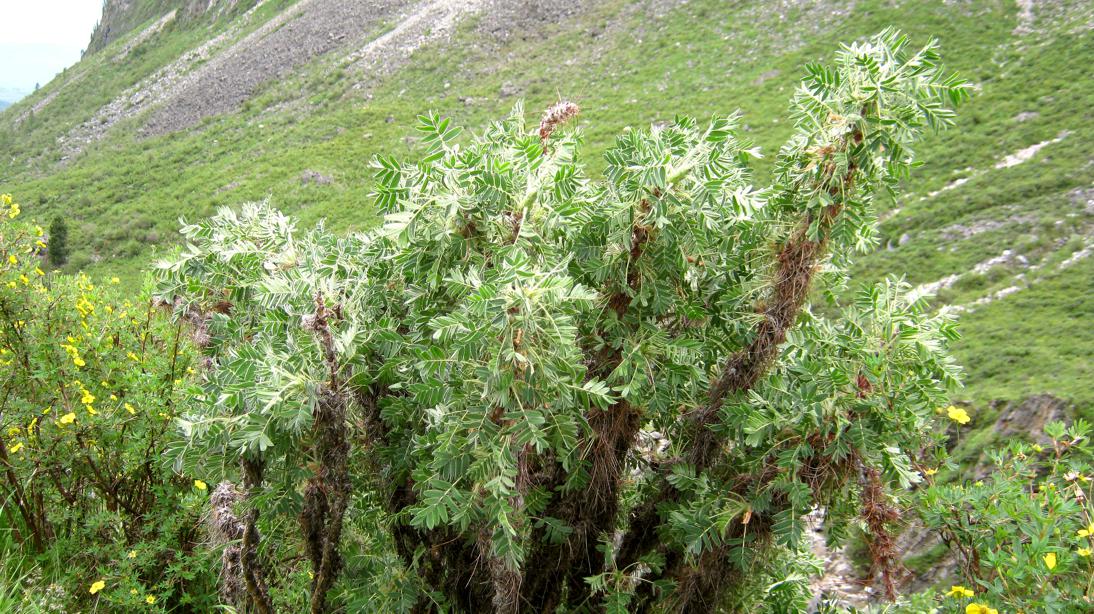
pixel 959 591
pixel 96 587
pixel 198 484
pixel 1050 560
pixel 958 414
pixel 68 418
pixel 150 599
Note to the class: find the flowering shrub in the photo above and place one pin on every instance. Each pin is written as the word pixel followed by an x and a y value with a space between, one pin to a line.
pixel 1023 535
pixel 91 382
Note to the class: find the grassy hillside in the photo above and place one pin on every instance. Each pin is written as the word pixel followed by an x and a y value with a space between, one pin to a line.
pixel 999 220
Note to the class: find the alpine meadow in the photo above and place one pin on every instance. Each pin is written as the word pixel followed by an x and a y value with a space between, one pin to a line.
pixel 573 306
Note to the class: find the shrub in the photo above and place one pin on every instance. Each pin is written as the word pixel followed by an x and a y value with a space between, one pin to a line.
pixel 567 392
pixel 1024 535
pixel 58 241
pixel 90 387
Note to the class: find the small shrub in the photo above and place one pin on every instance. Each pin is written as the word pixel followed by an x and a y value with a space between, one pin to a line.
pixel 1024 535
pixel 58 242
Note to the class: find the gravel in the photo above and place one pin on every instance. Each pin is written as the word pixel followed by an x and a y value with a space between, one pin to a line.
pixel 315 28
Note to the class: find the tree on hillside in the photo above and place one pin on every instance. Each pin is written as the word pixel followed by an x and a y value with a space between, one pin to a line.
pixel 58 241
pixel 565 392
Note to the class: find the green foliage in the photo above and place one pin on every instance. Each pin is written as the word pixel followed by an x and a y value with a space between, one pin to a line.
pixel 58 241
pixel 511 305
pixel 1024 534
pixel 89 390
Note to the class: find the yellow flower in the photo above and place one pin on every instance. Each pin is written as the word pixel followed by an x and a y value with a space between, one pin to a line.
pixel 931 471
pixel 129 408
pixel 79 362
pixel 115 280
pixel 87 398
pixel 132 554
pixel 198 484
pixel 150 599
pixel 1084 551
pixel 979 608
pixel 133 357
pixel 132 591
pixel 12 259
pixel 96 587
pixel 958 414
pixel 68 418
pixel 17 447
pixel 5 199
pixel 13 212
pixel 1088 531
pixel 1050 560
pixel 39 271
pixel 25 280
pixel 959 592
pixel 91 410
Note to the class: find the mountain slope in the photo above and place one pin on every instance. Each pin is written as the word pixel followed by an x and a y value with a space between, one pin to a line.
pixel 187 110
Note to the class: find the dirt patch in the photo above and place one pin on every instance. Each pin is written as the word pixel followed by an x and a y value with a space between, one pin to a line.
pixel 315 177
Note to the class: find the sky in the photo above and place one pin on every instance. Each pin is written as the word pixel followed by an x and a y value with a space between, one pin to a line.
pixel 38 38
